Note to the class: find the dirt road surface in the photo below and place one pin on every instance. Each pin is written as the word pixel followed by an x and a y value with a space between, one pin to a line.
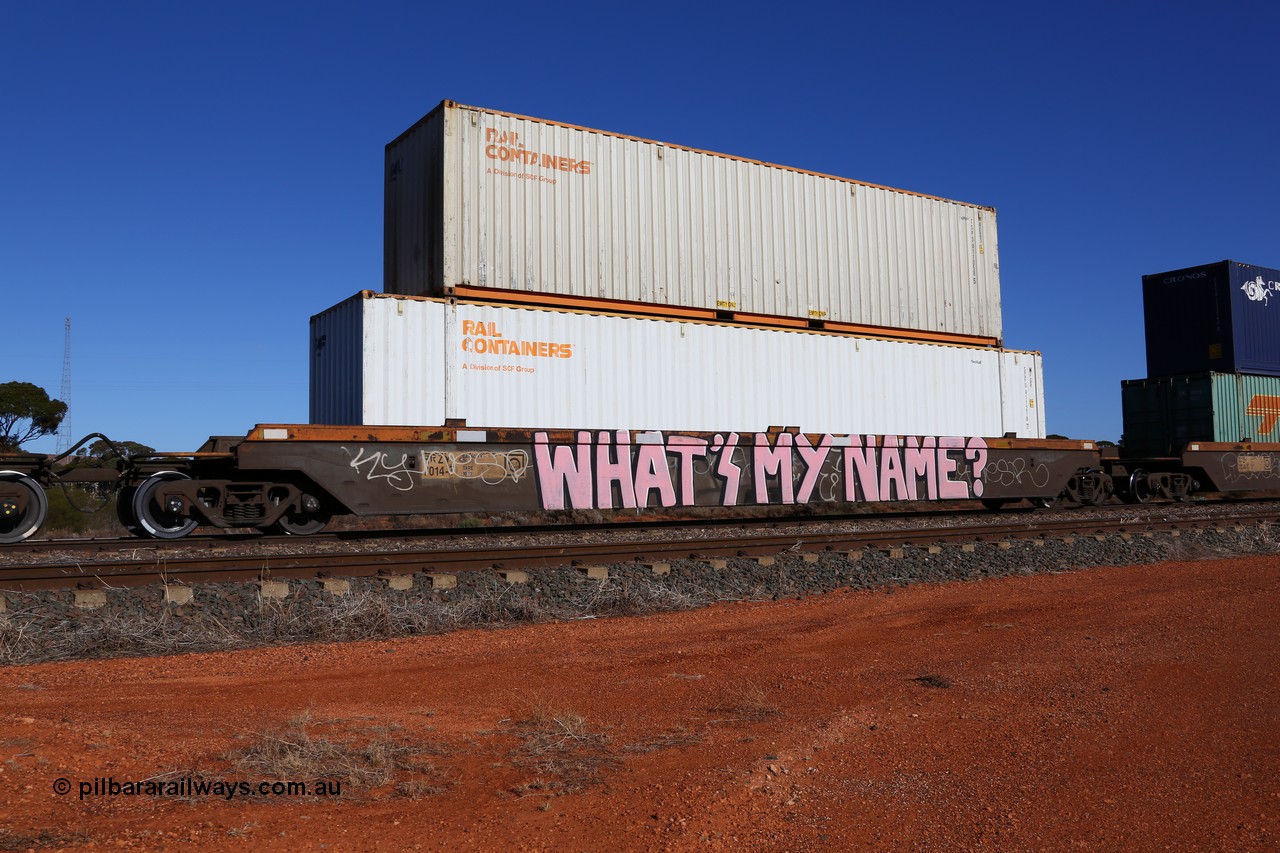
pixel 1108 709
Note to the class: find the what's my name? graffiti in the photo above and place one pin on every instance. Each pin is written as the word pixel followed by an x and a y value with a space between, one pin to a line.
pixel 611 470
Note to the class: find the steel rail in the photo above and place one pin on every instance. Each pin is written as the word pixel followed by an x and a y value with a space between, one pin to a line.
pixel 221 568
pixel 232 537
pixel 96 546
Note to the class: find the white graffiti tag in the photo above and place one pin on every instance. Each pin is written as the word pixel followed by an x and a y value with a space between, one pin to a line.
pixel 486 466
pixel 1017 471
pixel 379 465
pixel 1249 466
pixel 830 489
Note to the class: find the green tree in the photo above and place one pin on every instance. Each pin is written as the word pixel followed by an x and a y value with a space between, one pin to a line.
pixel 103 454
pixel 26 412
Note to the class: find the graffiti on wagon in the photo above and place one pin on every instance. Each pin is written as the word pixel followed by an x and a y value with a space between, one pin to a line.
pixel 401 470
pixel 614 470
pixel 488 466
pixel 1017 471
pixel 383 465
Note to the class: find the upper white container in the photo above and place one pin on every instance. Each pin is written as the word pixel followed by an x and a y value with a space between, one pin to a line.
pixel 386 360
pixel 477 198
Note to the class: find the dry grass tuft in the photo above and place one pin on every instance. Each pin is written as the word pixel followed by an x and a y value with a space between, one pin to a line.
pixel 106 634
pixel 371 759
pixel 678 736
pixel 38 838
pixel 416 789
pixel 561 749
pixel 745 702
pixel 31 633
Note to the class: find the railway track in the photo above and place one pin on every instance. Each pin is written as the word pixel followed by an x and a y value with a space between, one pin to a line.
pixel 35 550
pixel 139 563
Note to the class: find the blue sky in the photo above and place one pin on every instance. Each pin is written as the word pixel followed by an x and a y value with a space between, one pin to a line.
pixel 191 183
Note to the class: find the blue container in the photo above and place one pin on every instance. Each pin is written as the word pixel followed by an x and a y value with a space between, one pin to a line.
pixel 1213 318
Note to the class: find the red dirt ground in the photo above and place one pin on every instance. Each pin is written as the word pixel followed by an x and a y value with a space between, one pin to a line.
pixel 1111 709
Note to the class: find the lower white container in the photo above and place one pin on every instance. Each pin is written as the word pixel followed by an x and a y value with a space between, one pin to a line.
pixel 381 359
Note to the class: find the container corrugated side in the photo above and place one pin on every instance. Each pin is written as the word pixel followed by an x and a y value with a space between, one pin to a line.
pixel 1022 392
pixel 1212 318
pixel 1162 415
pixel 378 366
pixel 1255 318
pixel 481 198
pixel 427 360
pixel 337 363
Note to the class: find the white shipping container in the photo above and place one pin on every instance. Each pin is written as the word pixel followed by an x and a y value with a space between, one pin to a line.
pixel 386 360
pixel 477 198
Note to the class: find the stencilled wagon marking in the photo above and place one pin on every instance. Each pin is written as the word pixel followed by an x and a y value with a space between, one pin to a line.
pixel 1248 466
pixel 487 466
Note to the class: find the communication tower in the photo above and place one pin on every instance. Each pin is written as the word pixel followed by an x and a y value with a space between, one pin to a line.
pixel 64 430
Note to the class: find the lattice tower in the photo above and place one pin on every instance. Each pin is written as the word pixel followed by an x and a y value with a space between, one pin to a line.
pixel 64 430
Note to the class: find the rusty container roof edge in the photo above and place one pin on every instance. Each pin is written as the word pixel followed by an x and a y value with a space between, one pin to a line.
pixel 920 338
pixel 465 434
pixel 451 104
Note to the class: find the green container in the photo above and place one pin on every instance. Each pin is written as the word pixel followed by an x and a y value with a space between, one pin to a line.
pixel 1162 415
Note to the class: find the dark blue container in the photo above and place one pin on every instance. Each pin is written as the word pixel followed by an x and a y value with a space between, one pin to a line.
pixel 1222 317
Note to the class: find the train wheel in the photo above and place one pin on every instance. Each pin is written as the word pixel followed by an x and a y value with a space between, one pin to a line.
pixel 994 504
pixel 155 520
pixel 1139 487
pixel 301 524
pixel 1043 503
pixel 21 516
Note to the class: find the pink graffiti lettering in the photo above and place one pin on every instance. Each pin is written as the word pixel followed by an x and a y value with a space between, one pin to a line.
pixel 687 448
pixel 614 467
pixel 725 468
pixel 570 467
pixel 652 473
pixel 977 453
pixel 775 461
pixel 813 458
pixel 862 458
pixel 920 459
pixel 609 470
pixel 948 488
pixel 892 477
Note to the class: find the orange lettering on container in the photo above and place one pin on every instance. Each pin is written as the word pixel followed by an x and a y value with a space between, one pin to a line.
pixel 1266 407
